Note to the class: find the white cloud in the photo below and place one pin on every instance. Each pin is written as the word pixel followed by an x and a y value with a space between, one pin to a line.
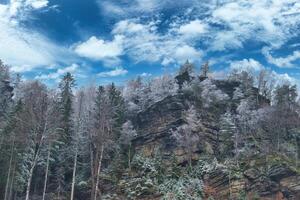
pixel 19 9
pixel 26 49
pixel 193 28
pixel 129 27
pixel 220 25
pixel 271 21
pixel 59 72
pixel 145 74
pixel 284 62
pixel 99 49
pixel 122 8
pixel 226 40
pixel 187 52
pixel 119 71
pixel 246 65
pixel 142 42
pixel 38 4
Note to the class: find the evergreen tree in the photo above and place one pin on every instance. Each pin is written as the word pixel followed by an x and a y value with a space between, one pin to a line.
pixel 117 105
pixel 64 159
pixel 66 101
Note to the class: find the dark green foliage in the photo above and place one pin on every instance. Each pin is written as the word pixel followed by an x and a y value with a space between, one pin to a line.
pixel 66 99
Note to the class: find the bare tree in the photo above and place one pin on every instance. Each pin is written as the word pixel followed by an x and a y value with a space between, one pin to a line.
pixel 78 128
pixel 101 136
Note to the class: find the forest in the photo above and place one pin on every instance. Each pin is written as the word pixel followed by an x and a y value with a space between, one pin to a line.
pixel 187 135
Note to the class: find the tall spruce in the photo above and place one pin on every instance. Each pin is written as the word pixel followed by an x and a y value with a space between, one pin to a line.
pixel 64 167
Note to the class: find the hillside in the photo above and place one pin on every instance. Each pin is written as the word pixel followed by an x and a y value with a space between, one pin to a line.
pixel 186 136
pixel 255 175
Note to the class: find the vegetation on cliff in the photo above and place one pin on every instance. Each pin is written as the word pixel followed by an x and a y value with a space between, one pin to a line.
pixel 182 136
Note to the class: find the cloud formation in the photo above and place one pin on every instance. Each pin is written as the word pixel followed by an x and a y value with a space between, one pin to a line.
pixel 98 49
pixel 153 32
pixel 119 71
pixel 283 62
pixel 58 73
pixel 22 48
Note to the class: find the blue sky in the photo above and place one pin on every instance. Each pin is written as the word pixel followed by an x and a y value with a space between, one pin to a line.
pixel 114 40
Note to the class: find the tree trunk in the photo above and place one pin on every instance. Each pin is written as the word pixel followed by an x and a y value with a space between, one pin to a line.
pixel 9 169
pixel 29 182
pixel 74 173
pixel 98 174
pixel 129 157
pixel 297 151
pixel 92 172
pixel 46 173
pixel 236 146
pixel 12 181
pixel 32 168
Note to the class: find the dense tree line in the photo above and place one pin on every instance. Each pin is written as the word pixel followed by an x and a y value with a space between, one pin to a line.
pixel 64 143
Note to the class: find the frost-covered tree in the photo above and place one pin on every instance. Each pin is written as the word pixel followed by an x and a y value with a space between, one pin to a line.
pixel 162 87
pixel 185 74
pixel 187 134
pixel 66 130
pixel 286 96
pixel 133 94
pixel 78 132
pixel 102 136
pixel 12 143
pixel 211 95
pixel 204 70
pixel 117 104
pixel 6 91
pixel 35 127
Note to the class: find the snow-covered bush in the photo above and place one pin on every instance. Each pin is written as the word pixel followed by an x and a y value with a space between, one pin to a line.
pixel 183 188
pixel 146 180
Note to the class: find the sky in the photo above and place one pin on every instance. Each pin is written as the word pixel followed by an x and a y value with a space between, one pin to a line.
pixel 107 41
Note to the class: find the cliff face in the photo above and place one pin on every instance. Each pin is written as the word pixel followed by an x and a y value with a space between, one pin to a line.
pixel 155 126
pixel 259 177
pixel 267 182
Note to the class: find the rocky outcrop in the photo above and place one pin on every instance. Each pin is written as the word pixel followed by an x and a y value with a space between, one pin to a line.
pixel 254 181
pixel 155 126
pixel 277 182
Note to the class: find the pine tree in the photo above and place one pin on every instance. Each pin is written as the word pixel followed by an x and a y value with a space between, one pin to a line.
pixel 64 167
pixel 66 100
pixel 117 105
